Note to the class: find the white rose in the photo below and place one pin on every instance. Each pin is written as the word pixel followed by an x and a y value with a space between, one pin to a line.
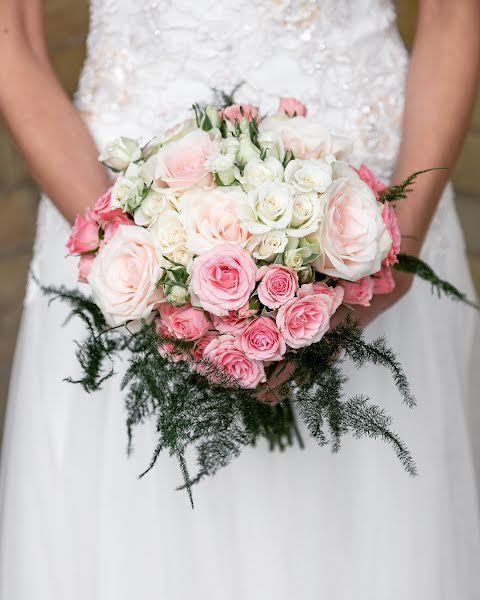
pixel 246 150
pixel 127 192
pixel 153 205
pixel 210 218
pixel 272 145
pixel 258 171
pixel 120 153
pixel 311 175
pixel 269 245
pixel 177 295
pixel 305 137
pixel 169 232
pixel 352 235
pixel 181 256
pixel 124 276
pixel 223 167
pixel 305 214
pixel 269 207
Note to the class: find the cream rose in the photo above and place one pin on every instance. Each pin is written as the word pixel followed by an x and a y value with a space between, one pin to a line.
pixel 169 232
pixel 305 214
pixel 352 236
pixel 210 218
pixel 311 175
pixel 120 153
pixel 124 276
pixel 268 245
pixel 269 207
pixel 258 172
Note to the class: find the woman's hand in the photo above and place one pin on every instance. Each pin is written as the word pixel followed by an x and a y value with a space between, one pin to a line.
pixel 281 373
pixel 52 137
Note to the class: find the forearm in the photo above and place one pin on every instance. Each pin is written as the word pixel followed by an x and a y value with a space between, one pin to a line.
pixel 52 137
pixel 440 92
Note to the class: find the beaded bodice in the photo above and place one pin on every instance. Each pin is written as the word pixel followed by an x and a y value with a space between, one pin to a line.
pixel 148 60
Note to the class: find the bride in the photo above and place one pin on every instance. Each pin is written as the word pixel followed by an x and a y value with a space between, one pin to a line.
pixel 75 522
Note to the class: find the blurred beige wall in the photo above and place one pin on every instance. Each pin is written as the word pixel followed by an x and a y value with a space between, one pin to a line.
pixel 66 25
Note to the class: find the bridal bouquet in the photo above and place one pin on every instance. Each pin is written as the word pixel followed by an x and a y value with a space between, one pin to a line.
pixel 216 262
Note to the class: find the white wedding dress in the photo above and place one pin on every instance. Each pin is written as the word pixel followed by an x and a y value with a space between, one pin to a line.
pixel 77 524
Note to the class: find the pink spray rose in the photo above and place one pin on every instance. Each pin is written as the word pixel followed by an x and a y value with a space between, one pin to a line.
pixel 292 107
pixel 84 235
pixel 390 220
pixel 383 281
pixel 199 349
pixel 371 180
pixel 262 340
pixel 304 321
pixel 231 323
pixel 189 323
pixel 224 353
pixel 277 286
pixel 237 112
pixel 102 211
pixel 84 266
pixel 110 227
pixel 180 165
pixel 333 295
pixel 358 292
pixel 223 279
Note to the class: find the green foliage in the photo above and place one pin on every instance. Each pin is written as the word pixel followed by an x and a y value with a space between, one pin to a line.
pixel 414 265
pixel 400 191
pixel 211 414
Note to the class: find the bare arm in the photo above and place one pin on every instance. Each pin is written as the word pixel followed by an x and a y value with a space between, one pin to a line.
pixel 52 137
pixel 440 92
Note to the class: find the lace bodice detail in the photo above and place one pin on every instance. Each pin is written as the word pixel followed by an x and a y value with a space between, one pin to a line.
pixel 148 60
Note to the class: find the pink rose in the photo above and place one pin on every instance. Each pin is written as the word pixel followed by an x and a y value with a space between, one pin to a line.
pixel 180 165
pixel 102 211
pixel 352 235
pixel 237 112
pixel 168 350
pixel 371 180
pixel 383 281
pixel 125 274
pixel 304 321
pixel 84 235
pixel 335 294
pixel 84 266
pixel 224 353
pixel 223 279
pixel 262 340
pixel 358 292
pixel 199 349
pixel 210 218
pixel 277 286
pixel 110 227
pixel 292 107
pixel 189 323
pixel 231 323
pixel 390 220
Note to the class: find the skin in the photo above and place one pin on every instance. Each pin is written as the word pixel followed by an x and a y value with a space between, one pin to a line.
pixel 440 92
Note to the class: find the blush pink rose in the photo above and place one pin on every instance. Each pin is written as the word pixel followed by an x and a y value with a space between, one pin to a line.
pixel 304 321
pixel 102 211
pixel 125 274
pixel 223 279
pixel 277 286
pixel 224 353
pixel 383 281
pixel 237 112
pixel 189 323
pixel 262 340
pixel 210 218
pixel 84 236
pixel 334 294
pixel 358 292
pixel 180 165
pixel 292 107
pixel 199 349
pixel 84 266
pixel 371 180
pixel 390 220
